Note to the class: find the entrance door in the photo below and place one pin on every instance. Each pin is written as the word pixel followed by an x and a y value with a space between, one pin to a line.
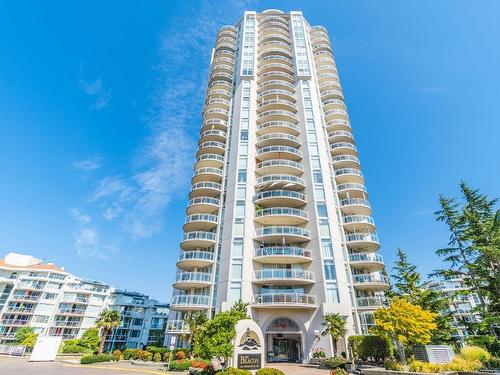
pixel 285 349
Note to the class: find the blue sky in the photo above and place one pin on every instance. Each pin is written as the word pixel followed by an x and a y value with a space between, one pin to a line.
pixel 100 108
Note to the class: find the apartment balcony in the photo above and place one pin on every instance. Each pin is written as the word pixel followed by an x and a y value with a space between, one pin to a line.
pixel 70 311
pixel 278 139
pixel 211 147
pixel 275 47
pixel 195 258
pixel 219 85
pixel 276 115
pixel 345 161
pixel 329 85
pixel 283 277
pixel 225 53
pixel 278 152
pixel 280 198
pixel 205 189
pixel 370 302
pixel 280 181
pixel 220 76
pixel 282 255
pixel 26 297
pixel 324 65
pixel 284 301
pixel 192 280
pixel 275 74
pixel 274 59
pixel 344 175
pixel 328 77
pixel 31 286
pixel 229 30
pixel 198 240
pixel 189 302
pixel 223 65
pixel 221 46
pixel 340 136
pixel 282 233
pixel 332 94
pixel 338 124
pixel 280 84
pixel 177 327
pixel 22 310
pixel 362 241
pixel 66 323
pixel 214 124
pixel 277 93
pixel 215 102
pixel 207 174
pixel 14 322
pixel 358 223
pixel 351 190
pixel 276 66
pixel 343 148
pixel 84 300
pixel 372 281
pixel 353 206
pixel 279 166
pixel 266 105
pixel 369 261
pixel 274 37
pixel 273 23
pixel 213 135
pixel 334 114
pixel 278 127
pixel 281 216
pixel 205 205
pixel 204 222
pixel 209 160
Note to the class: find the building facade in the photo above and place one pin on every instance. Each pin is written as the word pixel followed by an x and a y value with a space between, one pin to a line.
pixel 278 214
pixel 57 303
pixel 463 304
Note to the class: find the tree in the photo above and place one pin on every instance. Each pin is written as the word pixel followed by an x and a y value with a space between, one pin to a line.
pixel 335 327
pixel 215 340
pixel 90 339
pixel 26 336
pixel 404 324
pixel 107 321
pixel 409 285
pixel 195 322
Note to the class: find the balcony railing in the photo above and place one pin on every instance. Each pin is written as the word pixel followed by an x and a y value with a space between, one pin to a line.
pixel 177 326
pixel 371 301
pixel 279 194
pixel 196 255
pixel 199 235
pixel 366 257
pixel 362 237
pixel 370 279
pixel 281 211
pixel 284 299
pixel 282 251
pixel 190 300
pixel 203 277
pixel 288 274
pixel 71 311
pixel 282 231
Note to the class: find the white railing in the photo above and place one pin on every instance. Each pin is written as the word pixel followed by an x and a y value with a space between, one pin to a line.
pixel 284 299
pixel 279 274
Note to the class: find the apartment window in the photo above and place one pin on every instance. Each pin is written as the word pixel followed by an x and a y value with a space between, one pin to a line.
pixel 332 294
pixel 243 149
pixel 49 295
pixel 330 270
pixel 319 192
pixel 238 248
pixel 315 163
pixel 41 319
pixel 324 228
pixel 240 192
pixel 135 333
pixel 236 271
pixel 322 211
pixel 235 292
pixel 327 248
pixel 242 161
pixel 317 177
pixel 244 135
pixel 240 209
pixel 239 229
pixel 242 175
pixel 137 322
pixel 311 137
pixel 310 124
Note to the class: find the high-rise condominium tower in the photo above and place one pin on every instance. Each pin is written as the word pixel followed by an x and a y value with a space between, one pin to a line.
pixel 278 214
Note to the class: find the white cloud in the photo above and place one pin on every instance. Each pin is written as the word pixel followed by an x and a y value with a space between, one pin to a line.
pixel 78 216
pixel 88 245
pixel 96 90
pixel 88 164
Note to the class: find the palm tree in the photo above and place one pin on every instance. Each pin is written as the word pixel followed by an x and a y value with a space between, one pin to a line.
pixel 195 322
pixel 107 320
pixel 335 327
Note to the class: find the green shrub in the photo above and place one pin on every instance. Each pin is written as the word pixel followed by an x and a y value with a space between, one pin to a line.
pixel 489 342
pixel 355 345
pixel 157 349
pixel 234 371
pixel 136 353
pixel 145 356
pixel 88 359
pixel 393 365
pixel 117 354
pixel 369 347
pixel 333 362
pixel 493 363
pixel 166 356
pixel 474 353
pixel 269 371
pixel 181 365
pixel 463 365
pixel 71 342
pixel 127 353
pixel 90 339
pixel 75 349
pixel 157 357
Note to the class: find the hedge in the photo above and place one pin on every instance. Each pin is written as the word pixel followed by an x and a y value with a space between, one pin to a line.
pixel 76 349
pixel 269 371
pixel 88 359
pixel 234 371
pixel 368 347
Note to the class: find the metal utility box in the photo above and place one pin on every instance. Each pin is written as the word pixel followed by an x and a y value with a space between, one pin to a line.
pixel 434 353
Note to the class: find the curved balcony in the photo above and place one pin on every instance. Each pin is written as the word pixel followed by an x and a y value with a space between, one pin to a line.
pixel 196 258
pixel 209 160
pixel 275 74
pixel 202 222
pixel 338 124
pixel 225 53
pixel 223 65
pixel 276 93
pixel 275 47
pixel 266 31
pixel 327 76
pixel 205 189
pixel 212 103
pixel 276 234
pixel 177 327
pixel 344 175
pixel 207 174
pixel 369 261
pixel 203 205
pixel 198 240
pixel 278 127
pixel 191 280
pixel 219 85
pixel 280 181
pixel 284 300
pixel 282 255
pixel 211 147
pixel 279 36
pixel 220 76
pixel 280 198
pixel 373 281
pixel 230 46
pixel 325 65
pixel 351 190
pixel 332 94
pixel 269 104
pixel 329 85
pixel 353 206
pixel 345 148
pixel 188 302
pixel 277 152
pixel 276 66
pixel 216 113
pixel 358 223
pixel 214 124
pixel 271 59
pixel 284 276
pixel 362 241
pixel 279 166
pixel 281 216
pixel 272 24
pixel 370 302
pixel 332 114
pixel 333 103
pixel 277 84
pixel 213 135
pixel 276 115
pixel 340 136
pixel 282 139
pixel 345 161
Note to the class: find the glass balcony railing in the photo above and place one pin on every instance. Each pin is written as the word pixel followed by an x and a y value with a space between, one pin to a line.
pixel 354 202
pixel 282 231
pixel 281 211
pixel 371 301
pixel 284 299
pixel 358 219
pixel 190 300
pixel 284 274
pixel 203 277
pixel 282 251
pixel 196 255
pixel 366 257
pixel 361 237
pixel 370 279
pixel 280 163
pixel 199 235
pixel 279 194
pixel 280 178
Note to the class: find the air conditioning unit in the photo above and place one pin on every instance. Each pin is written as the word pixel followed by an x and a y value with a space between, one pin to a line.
pixel 434 353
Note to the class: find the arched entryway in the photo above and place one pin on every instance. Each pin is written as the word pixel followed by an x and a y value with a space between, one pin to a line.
pixel 283 341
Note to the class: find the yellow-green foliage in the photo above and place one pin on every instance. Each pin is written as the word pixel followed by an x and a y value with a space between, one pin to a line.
pixel 458 364
pixel 409 324
pixel 461 364
pixel 475 353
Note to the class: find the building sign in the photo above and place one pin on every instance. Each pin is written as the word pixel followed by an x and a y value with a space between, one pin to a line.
pixel 249 341
pixel 249 361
